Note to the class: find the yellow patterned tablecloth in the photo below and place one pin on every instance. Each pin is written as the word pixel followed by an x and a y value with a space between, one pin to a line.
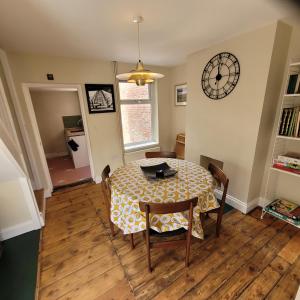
pixel 129 186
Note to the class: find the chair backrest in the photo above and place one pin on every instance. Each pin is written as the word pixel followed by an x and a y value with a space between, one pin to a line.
pixel 157 154
pixel 168 208
pixel 221 179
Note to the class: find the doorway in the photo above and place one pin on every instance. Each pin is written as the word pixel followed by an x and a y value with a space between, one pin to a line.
pixel 59 122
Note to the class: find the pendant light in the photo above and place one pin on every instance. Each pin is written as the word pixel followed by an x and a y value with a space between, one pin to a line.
pixel 139 75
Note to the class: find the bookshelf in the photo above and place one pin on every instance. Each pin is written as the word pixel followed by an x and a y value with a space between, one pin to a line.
pixel 281 182
pixel 288 137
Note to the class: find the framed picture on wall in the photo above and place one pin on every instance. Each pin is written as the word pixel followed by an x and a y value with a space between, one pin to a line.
pixel 180 94
pixel 100 98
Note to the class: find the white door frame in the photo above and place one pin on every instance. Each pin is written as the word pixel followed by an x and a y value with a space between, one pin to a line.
pixel 32 117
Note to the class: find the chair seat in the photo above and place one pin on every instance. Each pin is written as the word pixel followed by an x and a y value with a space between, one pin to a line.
pixel 168 233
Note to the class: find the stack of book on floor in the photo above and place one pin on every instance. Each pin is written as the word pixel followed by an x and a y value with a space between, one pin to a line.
pixel 290 122
pixel 285 210
pixel 288 162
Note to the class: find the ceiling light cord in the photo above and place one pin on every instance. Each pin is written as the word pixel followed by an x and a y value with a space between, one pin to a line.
pixel 139 44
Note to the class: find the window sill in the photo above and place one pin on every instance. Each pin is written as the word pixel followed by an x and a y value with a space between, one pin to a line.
pixel 140 147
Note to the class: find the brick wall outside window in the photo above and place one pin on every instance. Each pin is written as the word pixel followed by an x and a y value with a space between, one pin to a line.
pixel 136 122
pixel 136 115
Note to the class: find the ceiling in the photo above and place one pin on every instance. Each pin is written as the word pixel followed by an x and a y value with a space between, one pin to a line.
pixel 102 28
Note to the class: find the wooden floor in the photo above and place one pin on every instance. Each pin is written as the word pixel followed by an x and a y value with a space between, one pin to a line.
pixel 79 259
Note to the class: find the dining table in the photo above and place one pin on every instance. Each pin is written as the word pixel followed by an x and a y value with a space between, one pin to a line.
pixel 129 185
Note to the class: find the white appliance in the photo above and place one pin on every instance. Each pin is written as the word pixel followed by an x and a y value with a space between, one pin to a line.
pixel 80 157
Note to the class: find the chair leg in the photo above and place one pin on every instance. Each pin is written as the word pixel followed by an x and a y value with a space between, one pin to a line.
pixel 188 248
pixel 112 229
pixel 131 241
pixel 219 221
pixel 202 220
pixel 148 251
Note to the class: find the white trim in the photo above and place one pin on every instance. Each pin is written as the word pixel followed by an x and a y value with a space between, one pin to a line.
pixel 20 118
pixel 139 147
pixel 237 203
pixel 10 232
pixel 13 95
pixel 26 87
pixel 56 154
pixel 9 120
pixel 37 138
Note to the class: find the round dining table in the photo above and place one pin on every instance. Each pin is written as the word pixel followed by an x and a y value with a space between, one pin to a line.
pixel 129 185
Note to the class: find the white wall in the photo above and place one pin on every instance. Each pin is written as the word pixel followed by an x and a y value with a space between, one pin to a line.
pixel 227 129
pixel 18 209
pixel 273 95
pixel 50 107
pixel 104 129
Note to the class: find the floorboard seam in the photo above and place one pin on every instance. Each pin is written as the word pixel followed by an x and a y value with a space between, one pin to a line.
pixel 243 289
pixel 115 250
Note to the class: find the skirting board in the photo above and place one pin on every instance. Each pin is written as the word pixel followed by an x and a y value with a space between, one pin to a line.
pixel 238 204
pixel 16 230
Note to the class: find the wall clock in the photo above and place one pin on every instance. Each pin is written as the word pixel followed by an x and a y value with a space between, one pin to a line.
pixel 220 75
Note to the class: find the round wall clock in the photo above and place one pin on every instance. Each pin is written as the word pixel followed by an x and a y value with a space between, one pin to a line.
pixel 220 75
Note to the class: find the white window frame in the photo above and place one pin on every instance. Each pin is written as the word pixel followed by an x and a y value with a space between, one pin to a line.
pixel 154 119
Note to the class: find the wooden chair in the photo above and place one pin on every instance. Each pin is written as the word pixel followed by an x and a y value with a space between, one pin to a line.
pixel 221 179
pixel 107 194
pixel 167 208
pixel 157 154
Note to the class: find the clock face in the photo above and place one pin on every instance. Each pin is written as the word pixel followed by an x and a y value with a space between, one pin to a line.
pixel 220 75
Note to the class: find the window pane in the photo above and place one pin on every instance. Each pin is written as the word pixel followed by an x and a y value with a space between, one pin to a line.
pixel 136 122
pixel 130 91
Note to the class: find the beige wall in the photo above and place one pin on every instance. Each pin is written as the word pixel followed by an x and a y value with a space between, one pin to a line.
pixel 227 129
pixel 272 102
pixel 13 208
pixel 104 129
pixel 178 76
pixel 282 185
pixel 50 107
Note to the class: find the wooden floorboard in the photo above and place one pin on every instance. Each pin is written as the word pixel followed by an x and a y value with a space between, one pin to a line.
pixel 252 259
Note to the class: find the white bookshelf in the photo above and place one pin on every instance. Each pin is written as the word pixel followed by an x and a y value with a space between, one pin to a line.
pixel 292 95
pixel 292 138
pixel 278 179
pixel 285 172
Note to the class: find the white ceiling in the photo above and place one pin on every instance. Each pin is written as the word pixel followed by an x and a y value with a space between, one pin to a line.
pixel 102 28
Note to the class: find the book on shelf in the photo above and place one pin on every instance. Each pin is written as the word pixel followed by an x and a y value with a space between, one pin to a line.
pixel 290 122
pixel 283 167
pixel 286 208
pixel 289 158
pixel 292 84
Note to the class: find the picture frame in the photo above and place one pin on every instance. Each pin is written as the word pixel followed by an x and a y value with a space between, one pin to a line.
pixel 180 94
pixel 100 98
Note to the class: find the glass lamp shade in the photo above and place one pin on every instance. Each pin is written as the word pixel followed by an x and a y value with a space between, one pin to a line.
pixel 140 75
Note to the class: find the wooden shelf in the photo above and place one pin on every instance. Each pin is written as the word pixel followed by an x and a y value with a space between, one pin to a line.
pixel 285 172
pixel 291 95
pixel 288 137
pixel 295 64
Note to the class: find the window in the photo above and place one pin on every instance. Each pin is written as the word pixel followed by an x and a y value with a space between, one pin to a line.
pixel 138 111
